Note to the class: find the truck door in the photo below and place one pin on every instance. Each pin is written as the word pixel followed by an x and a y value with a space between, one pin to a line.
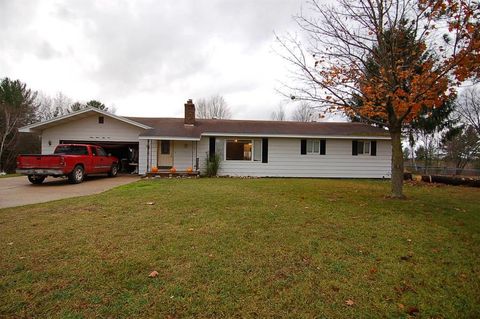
pixel 96 161
pixel 104 160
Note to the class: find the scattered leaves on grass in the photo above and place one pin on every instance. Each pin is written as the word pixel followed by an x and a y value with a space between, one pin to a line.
pixel 349 302
pixel 373 270
pixel 153 274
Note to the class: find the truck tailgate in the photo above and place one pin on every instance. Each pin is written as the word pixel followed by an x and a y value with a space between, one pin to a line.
pixel 39 161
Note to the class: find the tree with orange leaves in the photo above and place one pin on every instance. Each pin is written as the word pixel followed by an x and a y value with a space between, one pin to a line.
pixel 386 62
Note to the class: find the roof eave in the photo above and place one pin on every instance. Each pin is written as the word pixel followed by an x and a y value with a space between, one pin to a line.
pixel 321 136
pixel 39 126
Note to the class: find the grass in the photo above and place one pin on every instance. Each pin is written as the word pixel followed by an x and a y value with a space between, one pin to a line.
pixel 10 175
pixel 295 248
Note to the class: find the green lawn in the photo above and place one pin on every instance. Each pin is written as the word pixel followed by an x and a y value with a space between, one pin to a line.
pixel 297 248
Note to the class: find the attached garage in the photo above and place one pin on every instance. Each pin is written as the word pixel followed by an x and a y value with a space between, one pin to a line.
pixel 117 135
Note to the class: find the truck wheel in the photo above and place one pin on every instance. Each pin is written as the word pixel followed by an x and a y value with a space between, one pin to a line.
pixel 76 176
pixel 113 170
pixel 36 179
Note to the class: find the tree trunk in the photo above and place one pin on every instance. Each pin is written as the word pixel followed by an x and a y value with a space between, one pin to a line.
pixel 397 164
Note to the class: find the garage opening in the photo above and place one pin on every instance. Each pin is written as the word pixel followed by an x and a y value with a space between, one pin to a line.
pixel 126 152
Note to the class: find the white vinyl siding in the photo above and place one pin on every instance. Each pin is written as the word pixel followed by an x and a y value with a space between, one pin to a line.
pixel 285 160
pixel 88 129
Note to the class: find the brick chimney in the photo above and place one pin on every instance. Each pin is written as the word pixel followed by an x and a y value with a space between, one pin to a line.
pixel 189 113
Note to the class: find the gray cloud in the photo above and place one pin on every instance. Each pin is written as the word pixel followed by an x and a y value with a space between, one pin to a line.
pixel 126 47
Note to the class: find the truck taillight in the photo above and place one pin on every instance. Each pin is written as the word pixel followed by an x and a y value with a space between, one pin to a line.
pixel 62 161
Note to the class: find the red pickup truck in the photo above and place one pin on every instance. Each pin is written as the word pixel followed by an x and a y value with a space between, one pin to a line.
pixel 72 160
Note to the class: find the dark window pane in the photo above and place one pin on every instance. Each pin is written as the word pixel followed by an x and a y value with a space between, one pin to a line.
pixel 101 152
pixel 165 147
pixel 239 150
pixel 71 150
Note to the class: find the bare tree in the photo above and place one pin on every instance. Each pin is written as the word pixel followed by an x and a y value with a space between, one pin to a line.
pixel 304 112
pixel 279 114
pixel 468 107
pixel 215 107
pixel 49 108
pixel 61 104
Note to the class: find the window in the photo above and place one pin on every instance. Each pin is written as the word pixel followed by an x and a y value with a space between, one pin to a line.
pixel 101 120
pixel 94 151
pixel 315 147
pixel 165 147
pixel 257 150
pixel 363 147
pixel 71 150
pixel 239 150
pixel 101 152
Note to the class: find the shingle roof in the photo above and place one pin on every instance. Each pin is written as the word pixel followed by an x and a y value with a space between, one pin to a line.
pixel 175 127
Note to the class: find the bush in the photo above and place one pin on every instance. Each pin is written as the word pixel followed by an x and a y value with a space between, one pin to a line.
pixel 213 165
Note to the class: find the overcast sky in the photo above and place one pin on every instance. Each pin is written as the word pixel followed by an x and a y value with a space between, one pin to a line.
pixel 148 57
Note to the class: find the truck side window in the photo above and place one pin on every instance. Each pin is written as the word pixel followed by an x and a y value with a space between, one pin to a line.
pixel 94 151
pixel 101 152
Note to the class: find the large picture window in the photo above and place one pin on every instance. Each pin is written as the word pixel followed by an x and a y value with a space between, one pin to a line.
pixel 239 150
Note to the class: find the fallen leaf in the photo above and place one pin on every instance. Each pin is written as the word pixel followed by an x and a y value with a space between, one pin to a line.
pixel 153 274
pixel 412 311
pixel 190 229
pixel 10 244
pixel 150 203
pixel 349 302
pixel 373 270
pixel 401 306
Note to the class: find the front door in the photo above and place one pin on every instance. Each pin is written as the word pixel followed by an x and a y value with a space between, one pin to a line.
pixel 165 154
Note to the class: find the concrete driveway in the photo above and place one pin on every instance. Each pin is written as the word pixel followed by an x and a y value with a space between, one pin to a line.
pixel 17 191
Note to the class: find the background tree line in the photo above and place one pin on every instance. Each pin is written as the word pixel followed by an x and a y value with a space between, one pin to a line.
pixel 448 138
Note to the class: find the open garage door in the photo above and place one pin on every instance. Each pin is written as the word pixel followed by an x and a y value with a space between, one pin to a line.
pixel 126 152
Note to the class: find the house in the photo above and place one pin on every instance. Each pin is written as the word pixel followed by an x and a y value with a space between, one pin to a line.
pixel 245 147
